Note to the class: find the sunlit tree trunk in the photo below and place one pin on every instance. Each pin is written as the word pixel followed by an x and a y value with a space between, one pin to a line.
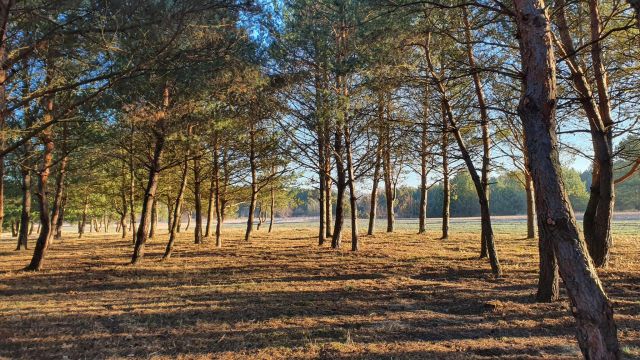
pixel 46 138
pixel 149 198
pixel 58 200
pixel 597 334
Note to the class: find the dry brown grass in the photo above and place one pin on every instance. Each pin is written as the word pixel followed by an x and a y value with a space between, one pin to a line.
pixel 281 296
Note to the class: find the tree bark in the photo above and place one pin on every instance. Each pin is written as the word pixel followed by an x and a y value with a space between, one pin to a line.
pixel 254 181
pixel 23 232
pixel 5 6
pixel 353 200
pixel 197 181
pixel 388 177
pixel 149 198
pixel 446 187
pixel 60 222
pixel 154 218
pixel 485 216
pixel 484 125
pixel 596 335
pixel 424 171
pixel 373 205
pixel 272 209
pixel 177 209
pixel 531 208
pixel 216 183
pixel 58 199
pixel 46 137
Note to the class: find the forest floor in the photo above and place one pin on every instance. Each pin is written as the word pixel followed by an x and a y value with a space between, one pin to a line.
pixel 281 296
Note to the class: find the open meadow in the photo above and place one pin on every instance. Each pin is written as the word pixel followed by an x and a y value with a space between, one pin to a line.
pixel 280 296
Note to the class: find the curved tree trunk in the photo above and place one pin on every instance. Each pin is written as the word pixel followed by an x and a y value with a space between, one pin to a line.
pixel 37 260
pixel 149 199
pixel 597 334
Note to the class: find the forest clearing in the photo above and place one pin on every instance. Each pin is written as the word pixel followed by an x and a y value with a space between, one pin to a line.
pixel 332 179
pixel 403 296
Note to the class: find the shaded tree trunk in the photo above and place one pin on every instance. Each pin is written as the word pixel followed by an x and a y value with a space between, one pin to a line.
pixel 58 200
pixel 154 218
pixel 355 244
pixel 5 7
pixel 216 183
pixel 254 181
pixel 373 205
pixel 60 222
pixel 446 187
pixel 272 209
pixel 177 209
pixel 23 232
pixel 46 137
pixel 596 334
pixel 197 181
pixel 149 199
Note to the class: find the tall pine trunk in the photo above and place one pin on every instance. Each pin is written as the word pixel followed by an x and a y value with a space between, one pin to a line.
pixel 596 334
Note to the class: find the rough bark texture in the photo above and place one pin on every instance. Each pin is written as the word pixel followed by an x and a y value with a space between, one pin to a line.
pixel 149 198
pixel 46 138
pixel 596 333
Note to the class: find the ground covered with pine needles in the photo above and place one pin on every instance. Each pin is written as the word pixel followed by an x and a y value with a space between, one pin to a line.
pixel 281 296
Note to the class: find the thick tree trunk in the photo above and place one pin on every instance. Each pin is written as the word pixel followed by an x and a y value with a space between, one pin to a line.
pixel 23 232
pixel 5 6
pixel 177 209
pixel 548 280
pixel 149 198
pixel 596 335
pixel 197 181
pixel 43 176
pixel 599 211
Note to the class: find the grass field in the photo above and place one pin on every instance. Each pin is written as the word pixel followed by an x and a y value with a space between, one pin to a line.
pixel 283 297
